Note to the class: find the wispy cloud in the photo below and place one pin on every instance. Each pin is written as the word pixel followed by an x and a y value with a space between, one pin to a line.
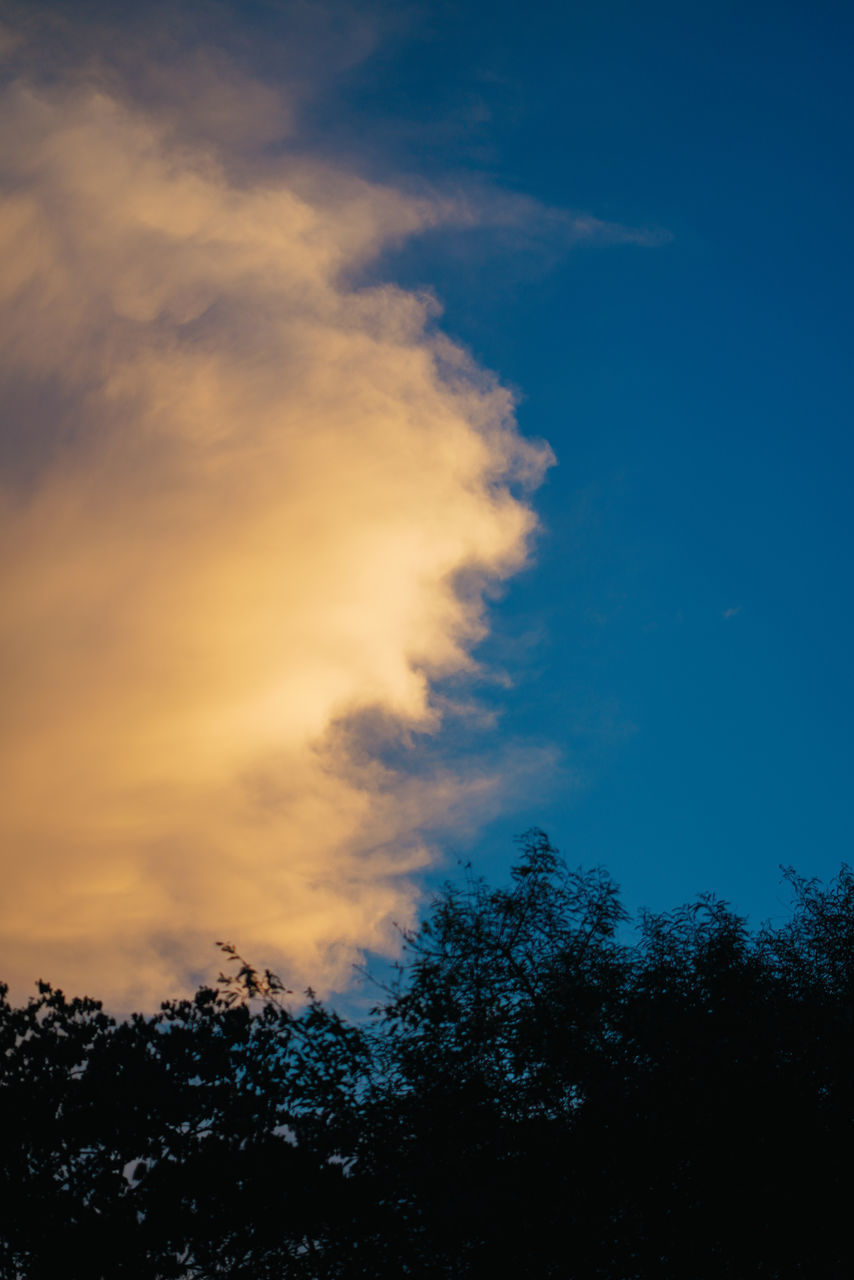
pixel 732 612
pixel 477 204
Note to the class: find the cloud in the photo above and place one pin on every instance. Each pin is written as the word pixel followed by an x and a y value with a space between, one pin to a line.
pixel 731 612
pixel 526 224
pixel 563 227
pixel 248 507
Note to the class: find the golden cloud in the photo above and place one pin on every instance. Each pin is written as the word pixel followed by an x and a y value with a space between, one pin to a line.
pixel 246 499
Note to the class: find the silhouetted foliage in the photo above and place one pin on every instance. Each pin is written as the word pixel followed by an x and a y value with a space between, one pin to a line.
pixel 539 1093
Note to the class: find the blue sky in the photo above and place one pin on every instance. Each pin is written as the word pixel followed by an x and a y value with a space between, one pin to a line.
pixel 685 636
pixel 257 495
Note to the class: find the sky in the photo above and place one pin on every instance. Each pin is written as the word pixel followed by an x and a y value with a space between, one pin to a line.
pixel 422 422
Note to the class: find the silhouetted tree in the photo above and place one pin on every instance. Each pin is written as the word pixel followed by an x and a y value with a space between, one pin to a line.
pixel 539 1093
pixel 196 1142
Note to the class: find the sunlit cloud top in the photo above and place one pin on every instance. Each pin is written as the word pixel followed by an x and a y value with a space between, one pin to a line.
pixel 246 500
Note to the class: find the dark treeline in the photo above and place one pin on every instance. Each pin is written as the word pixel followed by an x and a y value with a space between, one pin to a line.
pixel 539 1093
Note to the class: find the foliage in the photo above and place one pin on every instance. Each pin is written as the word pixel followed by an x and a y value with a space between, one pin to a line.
pixel 539 1093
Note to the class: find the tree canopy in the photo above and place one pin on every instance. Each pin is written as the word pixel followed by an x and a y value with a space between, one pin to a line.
pixel 540 1091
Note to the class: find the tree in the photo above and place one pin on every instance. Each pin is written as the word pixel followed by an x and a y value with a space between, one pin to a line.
pixel 540 1092
pixel 192 1143
pixel 579 1105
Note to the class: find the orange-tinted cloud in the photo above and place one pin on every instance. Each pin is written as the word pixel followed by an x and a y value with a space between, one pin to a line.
pixel 246 500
